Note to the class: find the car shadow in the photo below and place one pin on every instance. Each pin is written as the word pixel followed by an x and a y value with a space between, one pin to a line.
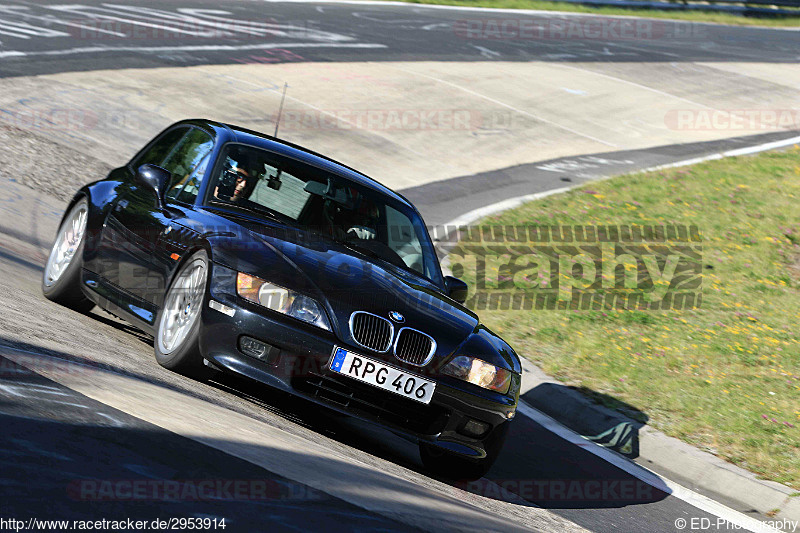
pixel 99 314
pixel 597 416
pixel 554 471
pixel 118 467
pixel 536 467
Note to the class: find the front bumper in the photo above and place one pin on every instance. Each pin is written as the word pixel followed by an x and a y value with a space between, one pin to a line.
pixel 298 364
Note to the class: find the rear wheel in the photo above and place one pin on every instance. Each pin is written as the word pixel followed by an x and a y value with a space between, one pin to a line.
pixel 61 280
pixel 457 467
pixel 177 342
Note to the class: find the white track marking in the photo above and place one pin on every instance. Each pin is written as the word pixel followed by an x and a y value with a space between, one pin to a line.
pixel 436 26
pixel 211 18
pixel 507 106
pixel 483 212
pixel 24 12
pixel 192 21
pixel 493 209
pixel 645 50
pixel 30 390
pixel 196 22
pixel 632 83
pixel 88 29
pixel 322 111
pixel 35 391
pixel 17 35
pixel 485 52
pixel 32 31
pixel 415 6
pixel 92 14
pixel 654 480
pixel 197 48
pixel 730 153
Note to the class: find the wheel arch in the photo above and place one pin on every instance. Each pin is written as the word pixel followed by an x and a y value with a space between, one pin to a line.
pixel 81 194
pixel 190 251
pixel 182 358
pixel 100 195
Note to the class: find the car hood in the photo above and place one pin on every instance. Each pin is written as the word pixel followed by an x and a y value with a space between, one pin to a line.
pixel 344 282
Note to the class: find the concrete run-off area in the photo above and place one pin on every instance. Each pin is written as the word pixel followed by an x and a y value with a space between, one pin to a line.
pixel 411 123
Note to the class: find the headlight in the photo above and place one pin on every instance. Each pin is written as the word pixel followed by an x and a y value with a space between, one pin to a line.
pixel 284 301
pixel 478 373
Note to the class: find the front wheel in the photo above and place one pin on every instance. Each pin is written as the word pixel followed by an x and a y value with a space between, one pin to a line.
pixel 455 467
pixel 61 280
pixel 177 342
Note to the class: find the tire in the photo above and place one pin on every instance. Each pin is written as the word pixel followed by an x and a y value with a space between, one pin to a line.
pixel 61 279
pixel 457 467
pixel 177 340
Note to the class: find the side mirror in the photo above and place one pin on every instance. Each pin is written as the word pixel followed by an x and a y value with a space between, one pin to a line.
pixel 155 179
pixel 456 289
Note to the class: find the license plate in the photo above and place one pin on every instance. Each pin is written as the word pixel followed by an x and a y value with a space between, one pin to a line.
pixel 382 376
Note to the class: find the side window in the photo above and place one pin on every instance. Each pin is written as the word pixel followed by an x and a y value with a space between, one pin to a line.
pixel 187 164
pixel 189 191
pixel 156 154
pixel 402 238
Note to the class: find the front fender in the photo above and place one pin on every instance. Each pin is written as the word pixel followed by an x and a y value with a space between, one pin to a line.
pixel 253 255
pixel 486 345
pixel 101 196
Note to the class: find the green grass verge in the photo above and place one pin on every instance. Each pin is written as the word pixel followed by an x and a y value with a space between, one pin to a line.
pixel 725 377
pixel 693 16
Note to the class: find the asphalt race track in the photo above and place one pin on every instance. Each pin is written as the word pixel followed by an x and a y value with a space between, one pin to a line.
pixel 88 416
pixel 91 36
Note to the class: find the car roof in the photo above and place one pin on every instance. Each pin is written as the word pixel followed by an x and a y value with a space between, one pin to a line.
pixel 231 133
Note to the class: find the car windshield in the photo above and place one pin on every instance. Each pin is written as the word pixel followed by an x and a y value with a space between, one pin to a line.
pixel 367 222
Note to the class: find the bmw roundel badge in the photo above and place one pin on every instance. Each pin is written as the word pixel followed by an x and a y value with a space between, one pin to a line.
pixel 397 317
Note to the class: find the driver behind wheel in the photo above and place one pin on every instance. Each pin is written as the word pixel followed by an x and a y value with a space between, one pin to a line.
pixel 364 224
pixel 233 184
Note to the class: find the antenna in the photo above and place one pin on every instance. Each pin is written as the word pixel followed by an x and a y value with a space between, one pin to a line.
pixel 280 110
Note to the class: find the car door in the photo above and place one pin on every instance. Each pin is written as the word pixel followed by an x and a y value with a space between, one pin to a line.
pixel 137 226
pixel 188 165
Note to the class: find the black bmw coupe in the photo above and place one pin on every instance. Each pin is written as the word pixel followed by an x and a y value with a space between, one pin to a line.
pixel 242 253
